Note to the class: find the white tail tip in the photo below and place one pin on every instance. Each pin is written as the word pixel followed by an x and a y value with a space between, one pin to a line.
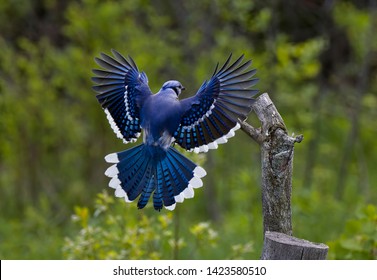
pixel 199 172
pixel 195 182
pixel 112 171
pixel 171 207
pixel 112 158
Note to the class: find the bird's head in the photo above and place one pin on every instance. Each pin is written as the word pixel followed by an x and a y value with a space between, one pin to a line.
pixel 174 85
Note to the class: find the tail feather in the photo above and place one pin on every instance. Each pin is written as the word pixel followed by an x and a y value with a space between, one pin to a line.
pixel 146 192
pixel 168 191
pixel 187 164
pixel 157 195
pixel 131 178
pixel 130 161
pixel 178 171
pixel 134 186
pixel 183 168
pixel 143 170
pixel 180 182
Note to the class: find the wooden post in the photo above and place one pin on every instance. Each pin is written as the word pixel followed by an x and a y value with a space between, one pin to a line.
pixel 277 150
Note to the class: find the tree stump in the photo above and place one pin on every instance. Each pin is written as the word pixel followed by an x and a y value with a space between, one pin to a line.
pixel 279 246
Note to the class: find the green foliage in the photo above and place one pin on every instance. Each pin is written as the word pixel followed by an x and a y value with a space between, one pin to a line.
pixel 318 65
pixel 359 239
pixel 358 25
pixel 38 235
pixel 113 231
pixel 109 235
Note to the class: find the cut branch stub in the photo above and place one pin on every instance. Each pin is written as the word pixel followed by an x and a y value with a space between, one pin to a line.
pixel 268 115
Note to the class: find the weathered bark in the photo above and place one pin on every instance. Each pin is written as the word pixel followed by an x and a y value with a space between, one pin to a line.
pixel 277 157
pixel 279 246
pixel 277 149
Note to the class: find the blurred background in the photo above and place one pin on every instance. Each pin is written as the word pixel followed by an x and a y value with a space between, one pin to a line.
pixel 317 59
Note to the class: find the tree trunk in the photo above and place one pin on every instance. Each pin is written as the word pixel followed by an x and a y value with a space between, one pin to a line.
pixel 277 150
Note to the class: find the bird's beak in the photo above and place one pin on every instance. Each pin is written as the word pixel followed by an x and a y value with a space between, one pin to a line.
pixel 183 88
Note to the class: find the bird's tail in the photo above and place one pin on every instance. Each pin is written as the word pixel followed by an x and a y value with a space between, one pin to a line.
pixel 143 170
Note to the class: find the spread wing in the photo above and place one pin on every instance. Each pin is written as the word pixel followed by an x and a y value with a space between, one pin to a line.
pixel 211 116
pixel 121 92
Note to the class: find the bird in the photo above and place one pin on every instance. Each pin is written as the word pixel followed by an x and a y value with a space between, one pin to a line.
pixel 155 169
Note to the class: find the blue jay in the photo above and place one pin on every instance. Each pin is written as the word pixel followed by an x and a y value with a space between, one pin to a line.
pixel 198 123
